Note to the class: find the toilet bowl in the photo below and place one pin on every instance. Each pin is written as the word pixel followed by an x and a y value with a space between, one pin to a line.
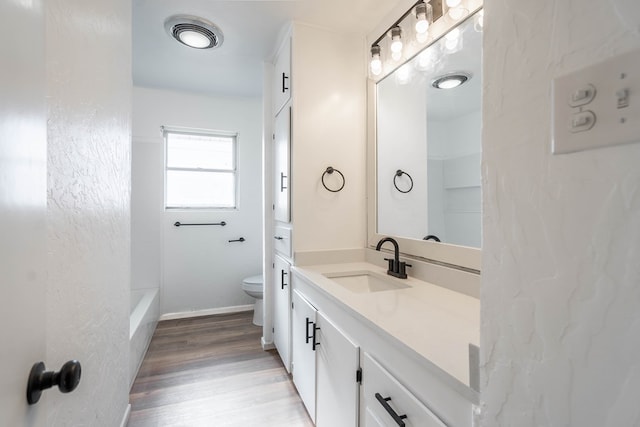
pixel 253 286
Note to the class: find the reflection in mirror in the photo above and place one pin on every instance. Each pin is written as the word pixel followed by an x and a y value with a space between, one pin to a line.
pixel 429 128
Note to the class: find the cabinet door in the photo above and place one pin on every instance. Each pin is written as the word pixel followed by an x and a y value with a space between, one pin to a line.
pixel 282 77
pixel 282 311
pixel 337 359
pixel 388 403
pixel 281 166
pixel 304 333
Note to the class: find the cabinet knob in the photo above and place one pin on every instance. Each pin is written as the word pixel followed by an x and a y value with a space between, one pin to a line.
pixel 67 379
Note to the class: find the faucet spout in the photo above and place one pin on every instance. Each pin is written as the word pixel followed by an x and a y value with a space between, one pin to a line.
pixel 396 268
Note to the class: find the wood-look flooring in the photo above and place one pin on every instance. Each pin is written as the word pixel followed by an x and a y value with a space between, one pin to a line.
pixel 211 371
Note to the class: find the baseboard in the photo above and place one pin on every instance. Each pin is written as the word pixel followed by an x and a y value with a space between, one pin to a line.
pixel 267 345
pixel 207 312
pixel 125 418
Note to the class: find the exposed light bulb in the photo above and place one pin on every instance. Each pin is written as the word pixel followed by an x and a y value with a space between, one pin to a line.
pixel 396 41
pixel 453 3
pixel 376 62
pixel 457 13
pixel 424 16
pixel 194 39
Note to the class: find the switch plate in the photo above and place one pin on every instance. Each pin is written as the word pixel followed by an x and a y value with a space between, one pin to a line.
pixel 597 106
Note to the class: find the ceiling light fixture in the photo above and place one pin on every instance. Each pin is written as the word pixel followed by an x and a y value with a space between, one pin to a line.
pixel 449 81
pixel 194 32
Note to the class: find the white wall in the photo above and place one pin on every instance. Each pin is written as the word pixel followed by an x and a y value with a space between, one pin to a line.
pixel 454 152
pixel 560 271
pixel 198 268
pixel 329 101
pixel 88 54
pixel 402 144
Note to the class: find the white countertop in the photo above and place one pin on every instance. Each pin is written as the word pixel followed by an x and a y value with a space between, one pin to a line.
pixel 435 322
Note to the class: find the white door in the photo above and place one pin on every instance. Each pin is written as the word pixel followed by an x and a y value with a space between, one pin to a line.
pixel 281 166
pixel 282 310
pixel 22 207
pixel 337 359
pixel 304 339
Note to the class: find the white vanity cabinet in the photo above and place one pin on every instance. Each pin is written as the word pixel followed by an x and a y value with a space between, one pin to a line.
pixel 282 310
pixel 388 403
pixel 325 363
pixel 395 379
pixel 282 76
pixel 304 344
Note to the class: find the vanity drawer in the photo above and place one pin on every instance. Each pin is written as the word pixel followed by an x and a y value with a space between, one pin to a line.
pixel 282 241
pixel 388 403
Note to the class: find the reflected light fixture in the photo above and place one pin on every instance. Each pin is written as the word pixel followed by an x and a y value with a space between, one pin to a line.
pixel 376 62
pixel 456 11
pixel 450 81
pixel 194 32
pixel 396 43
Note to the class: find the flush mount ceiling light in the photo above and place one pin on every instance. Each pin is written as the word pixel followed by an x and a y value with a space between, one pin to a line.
pixel 449 81
pixel 194 32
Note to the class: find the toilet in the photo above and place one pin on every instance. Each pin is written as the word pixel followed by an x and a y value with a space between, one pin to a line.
pixel 253 286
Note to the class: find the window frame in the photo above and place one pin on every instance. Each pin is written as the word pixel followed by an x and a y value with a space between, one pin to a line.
pixel 166 130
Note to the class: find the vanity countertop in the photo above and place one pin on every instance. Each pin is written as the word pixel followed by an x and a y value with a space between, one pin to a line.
pixel 435 322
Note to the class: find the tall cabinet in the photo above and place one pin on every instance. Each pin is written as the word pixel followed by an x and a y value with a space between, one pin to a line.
pixel 281 203
pixel 316 119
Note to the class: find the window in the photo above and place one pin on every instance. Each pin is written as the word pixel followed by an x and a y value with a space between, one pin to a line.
pixel 200 169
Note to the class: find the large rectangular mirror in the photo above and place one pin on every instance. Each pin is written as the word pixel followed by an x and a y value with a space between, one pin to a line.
pixel 428 149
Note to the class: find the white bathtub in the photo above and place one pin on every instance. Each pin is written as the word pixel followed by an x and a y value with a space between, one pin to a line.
pixel 145 311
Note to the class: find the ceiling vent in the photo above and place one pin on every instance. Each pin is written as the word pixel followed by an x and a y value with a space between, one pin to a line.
pixel 194 32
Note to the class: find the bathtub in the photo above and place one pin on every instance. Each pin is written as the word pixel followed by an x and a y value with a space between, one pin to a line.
pixel 145 311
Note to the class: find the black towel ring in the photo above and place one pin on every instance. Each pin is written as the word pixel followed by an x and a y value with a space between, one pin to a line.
pixel 329 171
pixel 400 172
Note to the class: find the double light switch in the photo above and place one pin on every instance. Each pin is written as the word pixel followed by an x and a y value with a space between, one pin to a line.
pixel 597 106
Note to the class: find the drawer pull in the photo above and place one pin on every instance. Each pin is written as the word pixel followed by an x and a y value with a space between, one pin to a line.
pixel 282 274
pixel 397 418
pixel 278 237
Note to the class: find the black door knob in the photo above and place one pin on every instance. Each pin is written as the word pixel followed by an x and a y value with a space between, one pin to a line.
pixel 67 379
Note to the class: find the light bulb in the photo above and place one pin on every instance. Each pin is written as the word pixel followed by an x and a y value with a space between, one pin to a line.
pixel 424 16
pixel 194 39
pixel 457 13
pixel 452 40
pixel 453 3
pixel 396 40
pixel 376 62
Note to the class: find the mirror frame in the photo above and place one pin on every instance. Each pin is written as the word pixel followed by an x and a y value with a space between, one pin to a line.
pixel 462 257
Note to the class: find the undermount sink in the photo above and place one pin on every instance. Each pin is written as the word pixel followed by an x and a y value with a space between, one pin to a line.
pixel 361 282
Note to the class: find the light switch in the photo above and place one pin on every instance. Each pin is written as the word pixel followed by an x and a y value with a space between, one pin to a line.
pixel 597 106
pixel 582 95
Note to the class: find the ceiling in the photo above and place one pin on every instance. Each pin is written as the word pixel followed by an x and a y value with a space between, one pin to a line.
pixel 250 32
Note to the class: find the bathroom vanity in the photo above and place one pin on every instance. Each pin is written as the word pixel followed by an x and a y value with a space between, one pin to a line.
pixel 373 348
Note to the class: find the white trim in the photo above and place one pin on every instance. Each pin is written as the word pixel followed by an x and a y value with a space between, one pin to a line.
pixel 267 345
pixel 125 417
pixel 206 312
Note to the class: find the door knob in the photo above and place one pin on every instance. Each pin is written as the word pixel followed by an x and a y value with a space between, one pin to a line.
pixel 67 379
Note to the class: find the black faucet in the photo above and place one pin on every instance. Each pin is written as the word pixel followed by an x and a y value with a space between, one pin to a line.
pixel 397 268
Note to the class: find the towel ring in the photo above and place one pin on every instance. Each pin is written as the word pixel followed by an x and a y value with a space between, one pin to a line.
pixel 400 172
pixel 329 171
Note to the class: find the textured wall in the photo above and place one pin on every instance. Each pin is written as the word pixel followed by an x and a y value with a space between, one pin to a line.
pixel 200 268
pixel 89 91
pixel 560 273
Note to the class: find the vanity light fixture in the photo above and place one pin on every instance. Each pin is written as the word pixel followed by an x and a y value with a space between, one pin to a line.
pixel 194 32
pixel 396 43
pixel 391 43
pixel 450 81
pixel 376 62
pixel 456 11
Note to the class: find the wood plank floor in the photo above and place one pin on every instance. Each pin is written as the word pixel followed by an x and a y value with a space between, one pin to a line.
pixel 211 371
